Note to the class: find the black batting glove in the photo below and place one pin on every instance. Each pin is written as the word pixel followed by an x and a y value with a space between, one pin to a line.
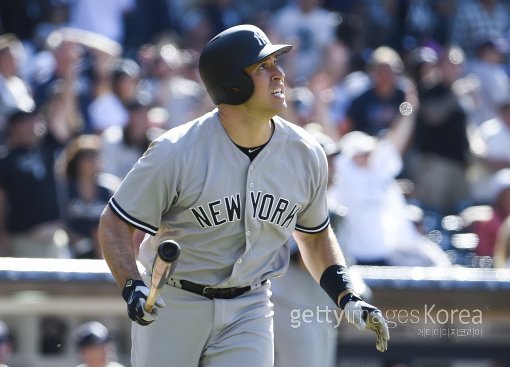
pixel 135 294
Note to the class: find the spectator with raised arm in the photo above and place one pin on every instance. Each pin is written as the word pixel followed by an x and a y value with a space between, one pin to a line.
pixel 366 186
pixel 374 110
pixel 30 224
pixel 440 141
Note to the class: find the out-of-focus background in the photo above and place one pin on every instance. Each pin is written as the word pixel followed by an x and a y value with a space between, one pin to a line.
pixel 421 206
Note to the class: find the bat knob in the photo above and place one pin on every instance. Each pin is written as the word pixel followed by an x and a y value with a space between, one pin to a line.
pixel 169 251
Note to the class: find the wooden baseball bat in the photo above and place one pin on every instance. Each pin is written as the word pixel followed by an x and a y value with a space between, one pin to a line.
pixel 162 268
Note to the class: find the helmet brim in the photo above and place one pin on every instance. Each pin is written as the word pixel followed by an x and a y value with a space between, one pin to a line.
pixel 269 50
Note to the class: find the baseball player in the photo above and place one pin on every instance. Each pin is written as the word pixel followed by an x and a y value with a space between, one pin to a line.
pixel 231 187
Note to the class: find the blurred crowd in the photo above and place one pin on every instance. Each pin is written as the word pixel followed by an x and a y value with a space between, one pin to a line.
pixel 93 342
pixel 410 99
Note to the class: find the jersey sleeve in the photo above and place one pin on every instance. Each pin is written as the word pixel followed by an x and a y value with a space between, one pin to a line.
pixel 148 189
pixel 314 217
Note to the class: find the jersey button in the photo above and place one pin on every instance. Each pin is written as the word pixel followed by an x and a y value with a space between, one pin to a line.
pixel 239 261
pixel 252 184
pixel 252 167
pixel 248 233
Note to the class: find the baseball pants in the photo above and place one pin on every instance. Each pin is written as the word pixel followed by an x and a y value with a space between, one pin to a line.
pixel 195 331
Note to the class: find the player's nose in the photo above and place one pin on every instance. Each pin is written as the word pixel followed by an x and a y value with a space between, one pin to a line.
pixel 278 74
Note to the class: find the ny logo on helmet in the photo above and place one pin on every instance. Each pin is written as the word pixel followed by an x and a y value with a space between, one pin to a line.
pixel 261 38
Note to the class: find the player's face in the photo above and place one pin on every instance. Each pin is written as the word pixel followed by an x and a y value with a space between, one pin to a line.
pixel 269 92
pixel 95 355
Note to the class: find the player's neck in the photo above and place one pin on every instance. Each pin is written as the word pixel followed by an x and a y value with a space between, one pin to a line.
pixel 245 132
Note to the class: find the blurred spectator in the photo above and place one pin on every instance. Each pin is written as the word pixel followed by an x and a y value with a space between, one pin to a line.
pixel 502 246
pixel 105 17
pixel 474 18
pixel 5 344
pixel 374 110
pixel 440 139
pixel 197 29
pixel 86 194
pixel 57 66
pixel 123 146
pixel 108 108
pixel 221 15
pixel 491 144
pixel 203 19
pixel 259 12
pixel 376 229
pixel 487 230
pixel 184 98
pixel 334 89
pixel 70 61
pixel 15 92
pixel 351 32
pixel 54 16
pixel 301 103
pixel 420 21
pixel 443 11
pixel 29 211
pixel 492 81
pixel 311 29
pixel 427 23
pixel 386 23
pixel 342 78
pixel 94 343
pixel 148 20
pixel 19 18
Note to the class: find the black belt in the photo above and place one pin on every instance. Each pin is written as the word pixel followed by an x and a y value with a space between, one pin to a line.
pixel 207 291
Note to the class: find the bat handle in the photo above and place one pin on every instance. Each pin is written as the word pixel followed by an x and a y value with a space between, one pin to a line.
pixel 151 299
pixel 159 274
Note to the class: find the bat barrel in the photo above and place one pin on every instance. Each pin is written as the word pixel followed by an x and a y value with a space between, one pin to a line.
pixel 169 251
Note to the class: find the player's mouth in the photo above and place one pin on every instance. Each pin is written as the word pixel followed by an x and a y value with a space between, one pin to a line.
pixel 278 92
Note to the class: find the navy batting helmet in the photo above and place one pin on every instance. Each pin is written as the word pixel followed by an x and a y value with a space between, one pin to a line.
pixel 223 59
pixel 91 333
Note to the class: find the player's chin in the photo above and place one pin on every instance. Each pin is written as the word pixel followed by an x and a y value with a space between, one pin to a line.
pixel 279 104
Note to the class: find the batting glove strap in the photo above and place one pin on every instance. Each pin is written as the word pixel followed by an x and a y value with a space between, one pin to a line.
pixel 347 298
pixel 335 280
pixel 135 294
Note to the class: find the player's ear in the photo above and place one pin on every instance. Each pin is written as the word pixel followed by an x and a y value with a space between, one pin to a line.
pixel 233 90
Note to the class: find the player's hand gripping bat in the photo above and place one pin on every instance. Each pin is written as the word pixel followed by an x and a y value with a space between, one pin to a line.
pixel 162 268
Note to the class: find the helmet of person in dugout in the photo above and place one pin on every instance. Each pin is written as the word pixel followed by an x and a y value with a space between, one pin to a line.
pixel 90 334
pixel 225 56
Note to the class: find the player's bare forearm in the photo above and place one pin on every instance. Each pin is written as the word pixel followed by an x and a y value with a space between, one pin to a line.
pixel 116 240
pixel 319 251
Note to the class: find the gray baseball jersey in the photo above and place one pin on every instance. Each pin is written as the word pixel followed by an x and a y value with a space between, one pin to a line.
pixel 232 217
